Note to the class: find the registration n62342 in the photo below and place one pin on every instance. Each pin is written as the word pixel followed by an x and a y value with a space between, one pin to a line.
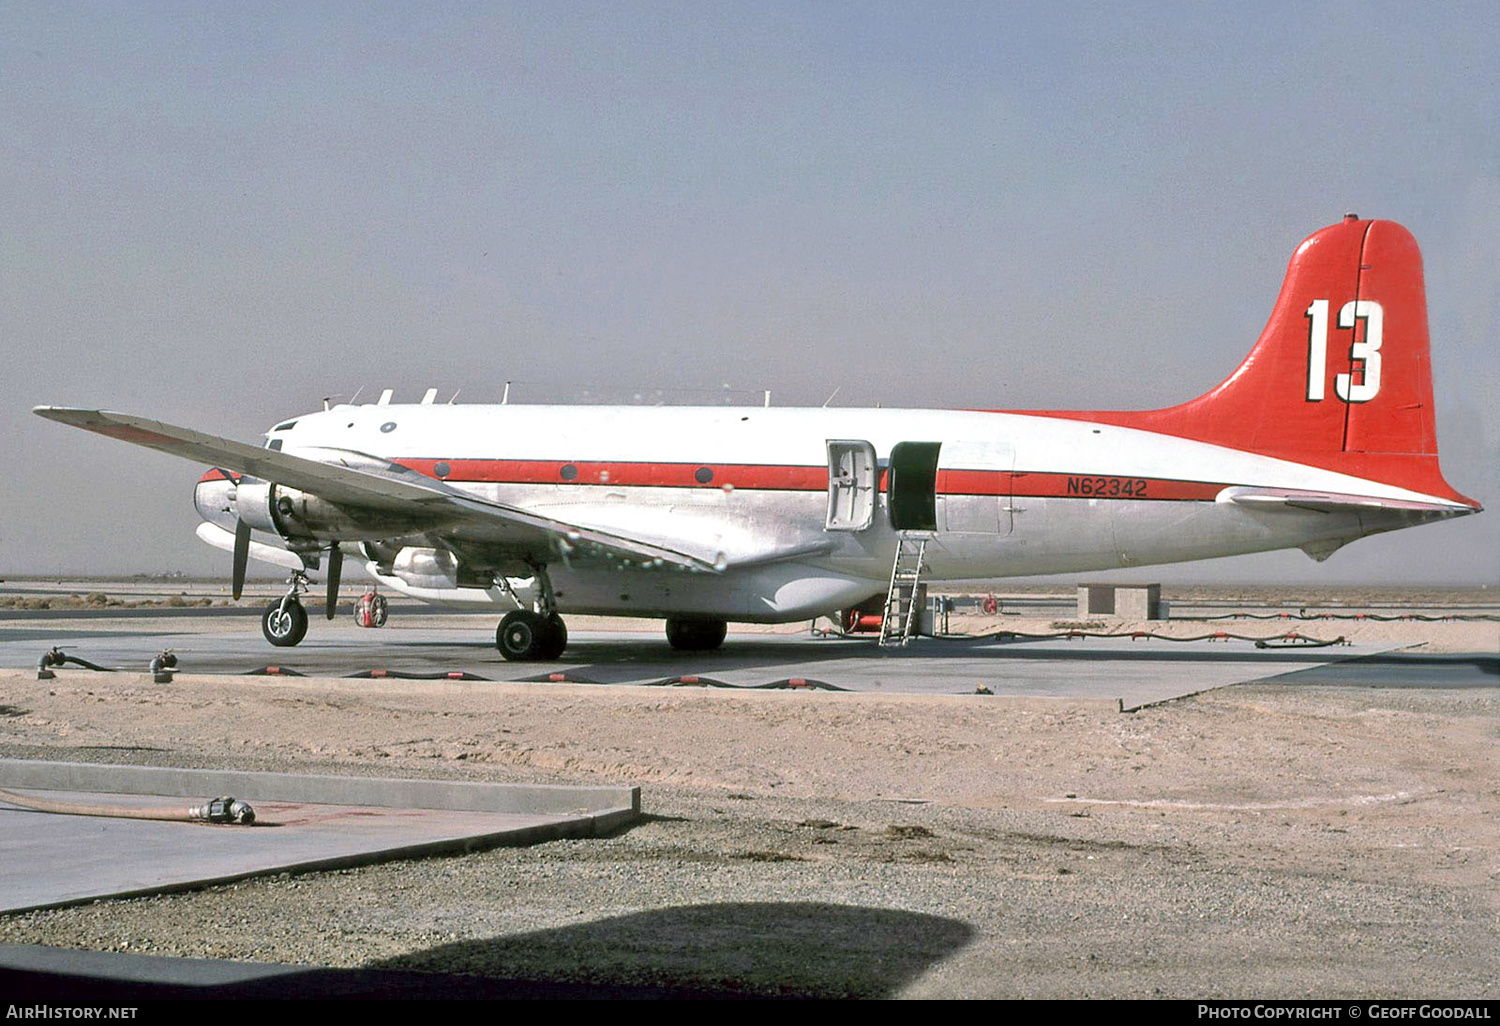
pixel 1108 487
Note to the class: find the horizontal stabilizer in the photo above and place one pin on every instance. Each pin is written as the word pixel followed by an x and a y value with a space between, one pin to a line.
pixel 1333 502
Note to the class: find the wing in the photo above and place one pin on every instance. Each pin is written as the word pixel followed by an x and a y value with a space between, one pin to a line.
pixel 361 480
pixel 350 478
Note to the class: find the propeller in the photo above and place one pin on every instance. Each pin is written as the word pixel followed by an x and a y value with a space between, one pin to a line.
pixel 335 568
pixel 241 556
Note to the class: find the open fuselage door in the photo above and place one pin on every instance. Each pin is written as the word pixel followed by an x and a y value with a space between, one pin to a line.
pixel 853 479
pixel 911 485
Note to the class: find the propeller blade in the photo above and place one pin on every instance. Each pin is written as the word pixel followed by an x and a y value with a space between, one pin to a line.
pixel 241 556
pixel 335 568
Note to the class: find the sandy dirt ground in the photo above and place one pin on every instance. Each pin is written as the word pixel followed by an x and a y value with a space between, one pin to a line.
pixel 1258 840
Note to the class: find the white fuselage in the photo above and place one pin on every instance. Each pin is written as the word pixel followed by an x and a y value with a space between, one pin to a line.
pixel 1014 495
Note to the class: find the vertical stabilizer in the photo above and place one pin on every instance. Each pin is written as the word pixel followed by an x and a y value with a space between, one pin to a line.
pixel 1340 378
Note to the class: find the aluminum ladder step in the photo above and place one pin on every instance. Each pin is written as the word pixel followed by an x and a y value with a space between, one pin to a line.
pixel 899 617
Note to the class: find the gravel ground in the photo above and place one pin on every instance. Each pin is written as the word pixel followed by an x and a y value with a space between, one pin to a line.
pixel 1255 841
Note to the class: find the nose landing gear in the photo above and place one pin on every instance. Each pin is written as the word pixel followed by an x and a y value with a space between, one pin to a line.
pixel 284 622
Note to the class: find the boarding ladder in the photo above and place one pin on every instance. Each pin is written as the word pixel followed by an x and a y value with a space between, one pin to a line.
pixel 900 618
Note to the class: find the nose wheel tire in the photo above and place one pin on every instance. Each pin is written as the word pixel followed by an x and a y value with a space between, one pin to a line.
pixel 696 635
pixel 524 636
pixel 284 625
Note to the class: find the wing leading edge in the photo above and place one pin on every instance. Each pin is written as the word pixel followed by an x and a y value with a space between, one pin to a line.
pixel 361 480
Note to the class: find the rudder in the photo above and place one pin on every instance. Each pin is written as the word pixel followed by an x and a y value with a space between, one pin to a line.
pixel 1341 377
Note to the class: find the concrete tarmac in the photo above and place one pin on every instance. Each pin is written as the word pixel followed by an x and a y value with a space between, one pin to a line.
pixel 302 822
pixel 1132 672
pixel 1403 670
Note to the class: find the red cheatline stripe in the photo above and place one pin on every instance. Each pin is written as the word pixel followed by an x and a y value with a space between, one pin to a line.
pixel 665 475
pixel 764 477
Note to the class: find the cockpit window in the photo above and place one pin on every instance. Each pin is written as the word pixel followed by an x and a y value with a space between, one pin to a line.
pixel 285 427
pixel 274 443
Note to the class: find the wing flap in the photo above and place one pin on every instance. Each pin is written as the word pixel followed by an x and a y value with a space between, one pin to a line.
pixel 719 537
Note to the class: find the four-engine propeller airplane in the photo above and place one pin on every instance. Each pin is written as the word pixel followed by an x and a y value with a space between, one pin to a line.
pixel 1324 434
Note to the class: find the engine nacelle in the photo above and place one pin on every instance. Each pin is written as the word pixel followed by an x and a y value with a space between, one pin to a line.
pixel 299 516
pixel 255 504
pixel 426 568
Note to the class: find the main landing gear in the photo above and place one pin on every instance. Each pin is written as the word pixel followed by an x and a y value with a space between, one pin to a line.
pixel 696 634
pixel 525 636
pixel 528 635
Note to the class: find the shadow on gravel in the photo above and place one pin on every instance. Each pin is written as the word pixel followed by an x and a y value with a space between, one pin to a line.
pixel 614 662
pixel 1402 670
pixel 741 950
pixel 723 950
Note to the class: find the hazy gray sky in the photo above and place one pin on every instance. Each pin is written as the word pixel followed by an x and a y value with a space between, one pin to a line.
pixel 217 214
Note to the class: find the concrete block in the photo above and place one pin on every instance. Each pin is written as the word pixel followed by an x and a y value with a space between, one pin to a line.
pixel 1126 601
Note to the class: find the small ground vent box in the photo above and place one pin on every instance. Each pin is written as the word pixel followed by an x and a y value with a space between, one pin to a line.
pixel 1126 601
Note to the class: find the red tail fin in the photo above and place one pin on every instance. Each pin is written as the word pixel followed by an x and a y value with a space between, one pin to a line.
pixel 1341 377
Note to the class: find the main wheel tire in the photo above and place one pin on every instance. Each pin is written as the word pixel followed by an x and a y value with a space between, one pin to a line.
pixel 696 635
pixel 556 637
pixel 522 636
pixel 284 623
